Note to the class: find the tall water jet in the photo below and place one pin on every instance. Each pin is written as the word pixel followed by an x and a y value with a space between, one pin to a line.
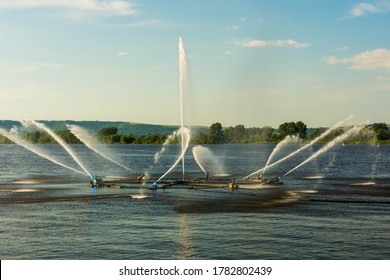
pixel 36 150
pixel 323 135
pixel 61 142
pixel 186 138
pixel 182 77
pixel 328 146
pixel 286 140
pixel 90 141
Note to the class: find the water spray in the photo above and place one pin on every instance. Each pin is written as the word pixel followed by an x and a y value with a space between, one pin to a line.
pixel 327 132
pixel 204 157
pixel 286 140
pixel 61 142
pixel 85 137
pixel 330 145
pixel 195 152
pixel 36 150
pixel 187 133
pixel 158 154
pixel 182 76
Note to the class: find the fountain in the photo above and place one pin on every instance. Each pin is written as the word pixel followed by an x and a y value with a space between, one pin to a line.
pixel 158 154
pixel 203 156
pixel 85 137
pixel 195 151
pixel 182 80
pixel 328 146
pixel 60 141
pixel 327 132
pixel 35 149
pixel 185 132
pixel 187 135
pixel 279 146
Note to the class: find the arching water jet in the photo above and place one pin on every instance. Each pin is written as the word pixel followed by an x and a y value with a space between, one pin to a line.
pixel 61 142
pixel 36 150
pixel 85 137
pixel 158 154
pixel 204 157
pixel 195 152
pixel 187 137
pixel 323 135
pixel 328 146
pixel 286 140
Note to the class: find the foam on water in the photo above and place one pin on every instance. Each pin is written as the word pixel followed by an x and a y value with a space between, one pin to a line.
pixel 314 177
pixel 370 183
pixel 140 196
pixel 25 190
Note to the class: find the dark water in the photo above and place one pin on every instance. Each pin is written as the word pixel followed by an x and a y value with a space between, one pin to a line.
pixel 335 207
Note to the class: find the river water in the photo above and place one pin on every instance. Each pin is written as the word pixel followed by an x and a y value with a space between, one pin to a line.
pixel 335 207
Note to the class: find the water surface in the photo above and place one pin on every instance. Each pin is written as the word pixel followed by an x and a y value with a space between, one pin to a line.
pixel 335 207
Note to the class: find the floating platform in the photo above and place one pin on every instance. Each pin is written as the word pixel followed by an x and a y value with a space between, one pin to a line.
pixel 191 183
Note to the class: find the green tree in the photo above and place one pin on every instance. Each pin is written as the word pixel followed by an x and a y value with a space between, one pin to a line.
pixel 292 128
pixel 287 128
pixel 139 139
pixel 127 138
pixel 45 138
pixel 200 138
pixel 238 133
pixel 112 139
pixel 5 140
pixel 381 131
pixel 267 135
pixel 68 137
pixel 215 134
pixel 105 131
pixel 301 127
pixel 33 136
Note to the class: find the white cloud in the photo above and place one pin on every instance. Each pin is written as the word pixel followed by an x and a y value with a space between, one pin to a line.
pixel 333 60
pixel 368 60
pixel 122 54
pixel 341 48
pixel 234 28
pixel 274 43
pixel 364 8
pixel 105 7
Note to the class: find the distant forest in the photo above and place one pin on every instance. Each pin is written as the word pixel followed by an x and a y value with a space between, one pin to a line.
pixel 131 133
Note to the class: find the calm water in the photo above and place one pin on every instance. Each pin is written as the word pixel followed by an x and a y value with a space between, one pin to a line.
pixel 335 207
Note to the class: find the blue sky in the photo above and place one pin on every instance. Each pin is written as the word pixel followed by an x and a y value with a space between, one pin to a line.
pixel 249 62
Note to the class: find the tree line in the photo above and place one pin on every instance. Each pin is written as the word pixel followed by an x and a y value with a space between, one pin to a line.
pixel 217 134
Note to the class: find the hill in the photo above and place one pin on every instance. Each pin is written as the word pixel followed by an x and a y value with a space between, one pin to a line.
pixel 95 126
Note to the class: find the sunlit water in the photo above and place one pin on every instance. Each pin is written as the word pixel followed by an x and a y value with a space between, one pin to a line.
pixel 335 207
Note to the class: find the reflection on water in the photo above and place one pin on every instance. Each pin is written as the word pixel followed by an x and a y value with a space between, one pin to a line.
pixel 337 207
pixel 186 250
